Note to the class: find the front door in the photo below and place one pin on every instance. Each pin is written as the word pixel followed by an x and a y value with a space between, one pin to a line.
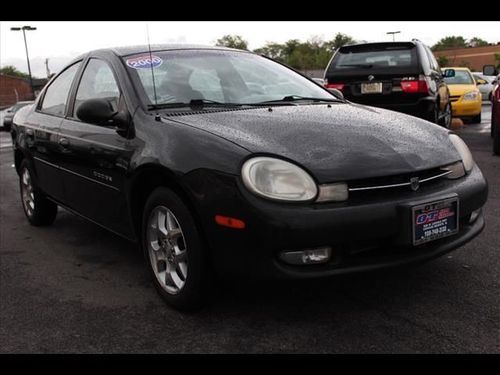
pixel 96 158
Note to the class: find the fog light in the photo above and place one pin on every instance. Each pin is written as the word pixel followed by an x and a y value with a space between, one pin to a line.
pixel 308 256
pixel 474 215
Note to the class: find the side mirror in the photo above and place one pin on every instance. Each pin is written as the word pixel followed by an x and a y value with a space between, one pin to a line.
pixel 449 73
pixel 100 112
pixel 337 93
pixel 480 81
pixel 490 70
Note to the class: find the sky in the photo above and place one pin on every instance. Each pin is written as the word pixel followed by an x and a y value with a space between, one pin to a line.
pixel 60 42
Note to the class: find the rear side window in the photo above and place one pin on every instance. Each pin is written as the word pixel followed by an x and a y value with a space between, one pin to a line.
pixel 374 57
pixel 56 96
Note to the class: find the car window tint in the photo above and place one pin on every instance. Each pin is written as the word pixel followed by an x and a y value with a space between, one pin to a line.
pixel 56 96
pixel 376 58
pixel 462 77
pixel 222 76
pixel 98 82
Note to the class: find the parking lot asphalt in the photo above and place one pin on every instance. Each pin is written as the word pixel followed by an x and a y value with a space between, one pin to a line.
pixel 76 288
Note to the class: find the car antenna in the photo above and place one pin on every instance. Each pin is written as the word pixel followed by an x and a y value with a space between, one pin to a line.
pixel 152 70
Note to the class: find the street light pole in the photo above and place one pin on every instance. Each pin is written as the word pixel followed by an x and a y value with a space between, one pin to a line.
pixel 393 32
pixel 24 28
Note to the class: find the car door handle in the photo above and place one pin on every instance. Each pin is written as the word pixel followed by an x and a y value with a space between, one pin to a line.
pixel 64 142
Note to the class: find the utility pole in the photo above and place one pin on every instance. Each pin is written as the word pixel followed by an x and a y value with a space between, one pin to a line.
pixel 24 28
pixel 47 68
pixel 393 32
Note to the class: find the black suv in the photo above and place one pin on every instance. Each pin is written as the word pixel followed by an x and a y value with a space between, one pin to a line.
pixel 400 76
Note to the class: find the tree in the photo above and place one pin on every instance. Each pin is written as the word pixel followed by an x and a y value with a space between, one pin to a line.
pixel 232 41
pixel 12 71
pixel 338 41
pixel 477 42
pixel 443 61
pixel 450 42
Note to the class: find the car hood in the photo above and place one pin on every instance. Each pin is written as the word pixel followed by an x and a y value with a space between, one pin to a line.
pixel 456 90
pixel 335 143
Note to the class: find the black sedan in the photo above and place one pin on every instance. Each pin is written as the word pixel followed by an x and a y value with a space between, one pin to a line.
pixel 218 161
pixel 10 112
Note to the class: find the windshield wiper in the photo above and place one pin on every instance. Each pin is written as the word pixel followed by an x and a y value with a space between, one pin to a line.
pixel 202 102
pixel 358 65
pixel 294 98
pixel 167 105
pixel 192 103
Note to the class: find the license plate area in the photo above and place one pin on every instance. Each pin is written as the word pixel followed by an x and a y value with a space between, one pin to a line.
pixel 371 88
pixel 434 220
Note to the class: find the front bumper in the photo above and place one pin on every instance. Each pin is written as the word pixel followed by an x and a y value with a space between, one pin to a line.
pixel 365 233
pixel 466 108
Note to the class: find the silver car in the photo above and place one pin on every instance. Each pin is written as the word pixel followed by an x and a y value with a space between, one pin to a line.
pixel 484 84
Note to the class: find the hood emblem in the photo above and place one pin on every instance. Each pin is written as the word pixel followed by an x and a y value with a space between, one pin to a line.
pixel 414 183
pixel 371 78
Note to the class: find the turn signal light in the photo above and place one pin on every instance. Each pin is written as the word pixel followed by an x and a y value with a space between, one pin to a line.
pixel 229 222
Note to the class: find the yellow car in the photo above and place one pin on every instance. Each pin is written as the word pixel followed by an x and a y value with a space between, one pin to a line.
pixel 465 97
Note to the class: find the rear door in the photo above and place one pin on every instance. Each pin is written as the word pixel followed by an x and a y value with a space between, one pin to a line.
pixel 96 158
pixel 437 80
pixel 42 132
pixel 372 73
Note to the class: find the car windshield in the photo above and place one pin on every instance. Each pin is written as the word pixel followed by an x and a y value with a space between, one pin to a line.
pixel 462 77
pixel 218 77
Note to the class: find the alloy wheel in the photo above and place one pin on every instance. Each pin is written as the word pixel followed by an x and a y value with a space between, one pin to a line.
pixel 27 193
pixel 167 250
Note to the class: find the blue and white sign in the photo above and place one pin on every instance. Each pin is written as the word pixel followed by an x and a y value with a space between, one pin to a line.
pixel 144 62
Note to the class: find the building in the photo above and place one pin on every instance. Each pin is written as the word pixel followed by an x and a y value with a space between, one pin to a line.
pixel 15 89
pixel 472 57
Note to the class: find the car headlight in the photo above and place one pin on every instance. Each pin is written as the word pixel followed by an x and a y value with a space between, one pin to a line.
pixel 471 95
pixel 463 151
pixel 278 179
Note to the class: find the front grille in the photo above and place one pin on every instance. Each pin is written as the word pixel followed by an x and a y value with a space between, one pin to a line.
pixel 404 181
pixel 454 98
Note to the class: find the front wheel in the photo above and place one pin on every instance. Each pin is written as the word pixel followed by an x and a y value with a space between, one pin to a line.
pixel 476 119
pixel 38 209
pixel 173 250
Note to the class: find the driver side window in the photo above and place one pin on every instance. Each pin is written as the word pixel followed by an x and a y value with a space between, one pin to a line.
pixel 98 82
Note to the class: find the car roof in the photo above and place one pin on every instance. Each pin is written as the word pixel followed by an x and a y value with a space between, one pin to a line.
pixel 402 43
pixel 144 48
pixel 457 68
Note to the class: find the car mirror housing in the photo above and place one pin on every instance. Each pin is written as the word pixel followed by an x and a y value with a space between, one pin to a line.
pixel 449 73
pixel 490 70
pixel 480 82
pixel 100 112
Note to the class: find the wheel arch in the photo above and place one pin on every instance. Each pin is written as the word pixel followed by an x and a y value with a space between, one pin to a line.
pixel 144 181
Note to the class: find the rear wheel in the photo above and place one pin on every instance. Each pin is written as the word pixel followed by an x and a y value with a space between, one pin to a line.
pixel 37 208
pixel 173 250
pixel 446 118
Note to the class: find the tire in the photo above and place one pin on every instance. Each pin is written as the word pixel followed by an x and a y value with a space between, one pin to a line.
pixel 496 143
pixel 174 255
pixel 476 119
pixel 492 126
pixel 433 114
pixel 38 209
pixel 447 117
